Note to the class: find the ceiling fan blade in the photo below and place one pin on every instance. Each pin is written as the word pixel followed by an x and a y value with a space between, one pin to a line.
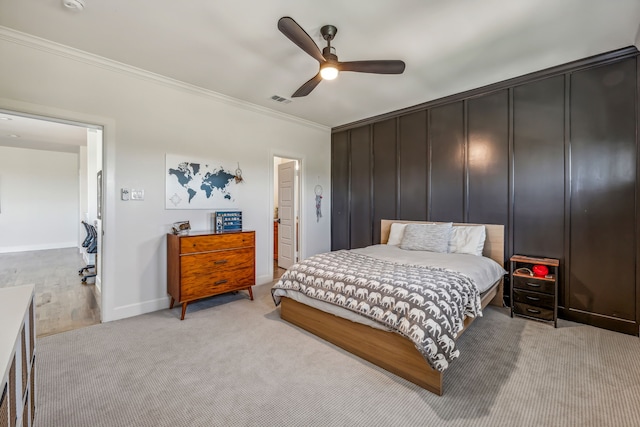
pixel 377 67
pixel 296 34
pixel 306 88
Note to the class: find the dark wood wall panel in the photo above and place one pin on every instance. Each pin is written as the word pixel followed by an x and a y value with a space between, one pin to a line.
pixel 340 191
pixel 538 165
pixel 488 158
pixel 360 209
pixel 385 173
pixel 553 156
pixel 446 141
pixel 603 179
pixel 413 166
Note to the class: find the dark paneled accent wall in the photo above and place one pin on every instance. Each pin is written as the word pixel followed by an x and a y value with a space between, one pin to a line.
pixel 488 159
pixel 553 156
pixel 603 190
pixel 412 132
pixel 340 190
pixel 447 146
pixel 385 174
pixel 538 169
pixel 360 196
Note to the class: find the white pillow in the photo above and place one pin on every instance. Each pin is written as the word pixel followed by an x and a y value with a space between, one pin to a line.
pixel 427 237
pixel 396 233
pixel 467 239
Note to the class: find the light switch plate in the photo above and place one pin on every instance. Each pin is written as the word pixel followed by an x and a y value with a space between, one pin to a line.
pixel 137 194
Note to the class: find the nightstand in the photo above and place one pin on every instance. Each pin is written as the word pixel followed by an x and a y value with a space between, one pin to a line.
pixel 534 297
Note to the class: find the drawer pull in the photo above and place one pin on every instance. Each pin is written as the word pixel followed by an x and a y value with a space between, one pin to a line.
pixel 221 261
pixel 220 282
pixel 532 298
pixel 531 310
pixel 535 285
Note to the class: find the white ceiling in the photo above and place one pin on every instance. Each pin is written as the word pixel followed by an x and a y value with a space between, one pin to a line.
pixel 234 47
pixel 26 132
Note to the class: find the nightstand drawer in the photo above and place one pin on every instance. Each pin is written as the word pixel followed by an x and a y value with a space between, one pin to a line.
pixel 533 311
pixel 534 284
pixel 534 298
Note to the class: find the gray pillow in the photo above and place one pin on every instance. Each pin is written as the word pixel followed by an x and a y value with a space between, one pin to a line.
pixel 427 237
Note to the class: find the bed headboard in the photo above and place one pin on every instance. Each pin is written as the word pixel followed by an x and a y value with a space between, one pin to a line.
pixel 493 244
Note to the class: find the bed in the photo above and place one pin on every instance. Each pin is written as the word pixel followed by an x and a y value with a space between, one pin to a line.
pixel 389 348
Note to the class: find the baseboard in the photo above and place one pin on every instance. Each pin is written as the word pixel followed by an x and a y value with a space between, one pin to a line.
pixel 41 247
pixel 137 309
pixel 97 293
pixel 154 305
pixel 261 280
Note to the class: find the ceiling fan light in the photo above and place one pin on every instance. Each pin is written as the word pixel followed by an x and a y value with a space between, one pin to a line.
pixel 329 72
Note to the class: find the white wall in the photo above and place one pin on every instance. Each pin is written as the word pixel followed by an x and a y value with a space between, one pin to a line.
pixel 38 199
pixel 144 118
pixel 82 193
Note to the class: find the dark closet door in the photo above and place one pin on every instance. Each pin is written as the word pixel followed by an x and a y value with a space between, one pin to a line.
pixel 385 174
pixel 360 206
pixel 413 166
pixel 603 173
pixel 340 191
pixel 488 159
pixel 538 165
pixel 446 141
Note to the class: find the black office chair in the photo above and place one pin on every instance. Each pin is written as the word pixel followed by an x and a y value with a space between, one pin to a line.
pixel 91 245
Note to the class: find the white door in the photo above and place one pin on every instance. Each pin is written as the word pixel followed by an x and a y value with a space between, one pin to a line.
pixel 286 214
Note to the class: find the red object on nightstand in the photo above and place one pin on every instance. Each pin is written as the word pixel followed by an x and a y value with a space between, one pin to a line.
pixel 540 270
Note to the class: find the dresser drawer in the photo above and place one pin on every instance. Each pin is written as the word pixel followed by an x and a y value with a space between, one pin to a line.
pixel 533 311
pixel 206 263
pixel 534 298
pixel 215 282
pixel 212 242
pixel 534 284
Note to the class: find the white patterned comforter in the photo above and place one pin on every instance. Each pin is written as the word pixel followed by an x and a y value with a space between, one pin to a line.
pixel 425 304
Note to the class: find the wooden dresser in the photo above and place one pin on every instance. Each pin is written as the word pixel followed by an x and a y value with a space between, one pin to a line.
pixel 17 356
pixel 201 264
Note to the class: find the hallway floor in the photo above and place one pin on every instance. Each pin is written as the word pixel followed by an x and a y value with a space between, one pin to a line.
pixel 63 303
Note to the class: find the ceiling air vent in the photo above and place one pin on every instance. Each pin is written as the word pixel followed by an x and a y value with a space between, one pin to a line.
pixel 73 4
pixel 280 99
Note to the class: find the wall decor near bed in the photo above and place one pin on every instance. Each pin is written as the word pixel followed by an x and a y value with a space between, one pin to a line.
pixel 552 155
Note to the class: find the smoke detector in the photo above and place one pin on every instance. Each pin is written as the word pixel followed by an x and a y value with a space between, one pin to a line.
pixel 73 4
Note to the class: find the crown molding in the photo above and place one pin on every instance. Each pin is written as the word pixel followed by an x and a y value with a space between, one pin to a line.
pixel 48 46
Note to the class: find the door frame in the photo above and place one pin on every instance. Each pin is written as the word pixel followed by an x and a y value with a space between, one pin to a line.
pixel 107 126
pixel 298 231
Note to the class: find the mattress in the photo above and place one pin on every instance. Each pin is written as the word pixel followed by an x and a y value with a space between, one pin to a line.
pixel 484 272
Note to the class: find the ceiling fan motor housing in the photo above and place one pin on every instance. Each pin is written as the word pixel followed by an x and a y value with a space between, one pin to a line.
pixel 329 53
pixel 328 32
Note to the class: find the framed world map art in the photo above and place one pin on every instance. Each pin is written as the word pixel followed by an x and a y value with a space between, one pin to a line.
pixel 199 184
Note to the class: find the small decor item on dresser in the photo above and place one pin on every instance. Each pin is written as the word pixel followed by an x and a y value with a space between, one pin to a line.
pixel 181 227
pixel 227 221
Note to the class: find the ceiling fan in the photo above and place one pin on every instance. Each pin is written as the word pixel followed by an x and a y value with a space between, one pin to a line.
pixel 329 64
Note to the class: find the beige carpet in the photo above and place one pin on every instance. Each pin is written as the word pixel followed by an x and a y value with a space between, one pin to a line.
pixel 233 362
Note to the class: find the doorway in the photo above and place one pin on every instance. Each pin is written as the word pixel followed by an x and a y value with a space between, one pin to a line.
pixel 286 216
pixel 50 183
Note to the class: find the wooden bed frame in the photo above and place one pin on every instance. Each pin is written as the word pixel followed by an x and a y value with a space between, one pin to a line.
pixel 389 350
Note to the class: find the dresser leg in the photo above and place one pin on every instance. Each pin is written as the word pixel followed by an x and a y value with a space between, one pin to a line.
pixel 184 310
pixel 250 293
pixel 172 301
